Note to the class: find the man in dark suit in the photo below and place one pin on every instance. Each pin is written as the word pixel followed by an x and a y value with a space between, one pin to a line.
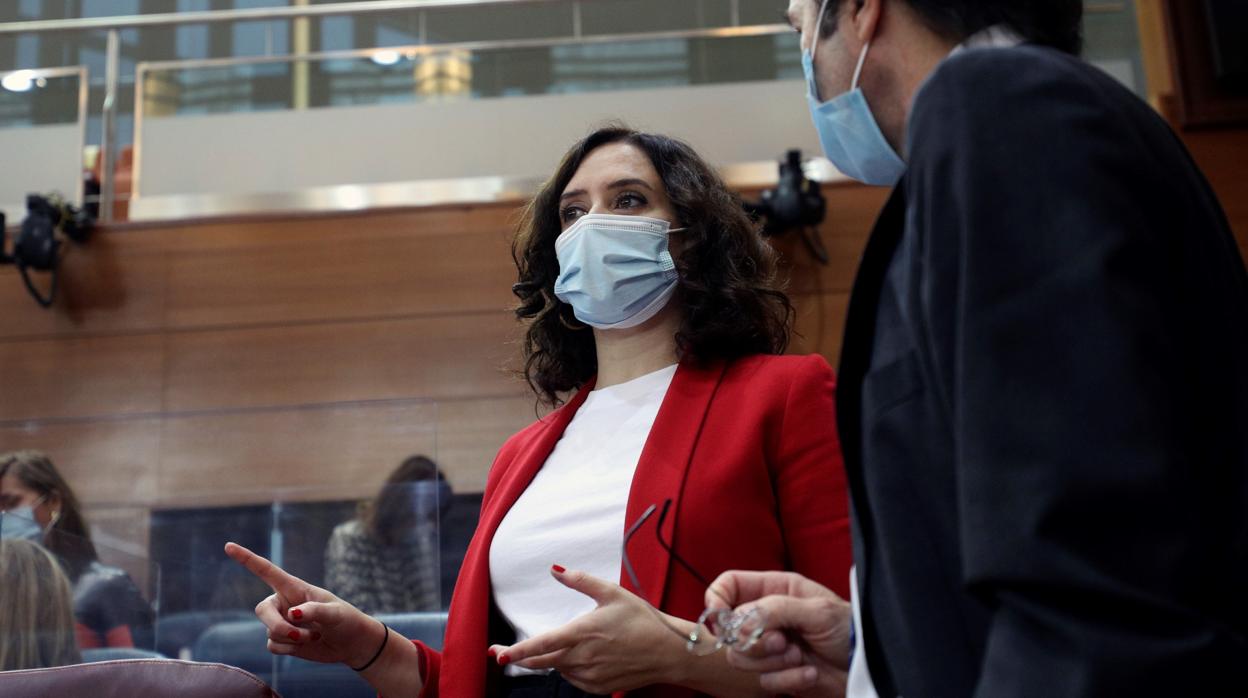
pixel 1043 392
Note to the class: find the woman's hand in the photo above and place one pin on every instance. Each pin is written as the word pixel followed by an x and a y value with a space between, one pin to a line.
pixel 619 646
pixel 307 621
pixel 806 653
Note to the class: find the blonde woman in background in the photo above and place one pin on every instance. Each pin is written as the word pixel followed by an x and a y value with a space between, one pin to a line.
pixel 36 609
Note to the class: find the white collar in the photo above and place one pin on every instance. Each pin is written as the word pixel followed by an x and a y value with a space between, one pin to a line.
pixel 996 36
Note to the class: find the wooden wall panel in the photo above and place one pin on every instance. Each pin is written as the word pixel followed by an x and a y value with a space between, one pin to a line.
pixel 820 324
pixel 313 453
pixel 73 377
pixel 114 283
pixel 470 432
pixel 341 267
pixel 306 452
pixel 432 357
pixel 107 461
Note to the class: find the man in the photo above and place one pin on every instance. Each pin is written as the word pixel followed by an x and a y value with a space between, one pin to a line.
pixel 1043 391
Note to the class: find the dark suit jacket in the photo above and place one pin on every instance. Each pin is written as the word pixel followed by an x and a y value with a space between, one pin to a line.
pixel 746 451
pixel 1044 399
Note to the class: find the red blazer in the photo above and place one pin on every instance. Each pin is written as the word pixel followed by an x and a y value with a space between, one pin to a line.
pixel 748 453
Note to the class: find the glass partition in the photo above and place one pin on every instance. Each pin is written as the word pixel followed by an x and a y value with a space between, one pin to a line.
pixel 347 496
pixel 42 117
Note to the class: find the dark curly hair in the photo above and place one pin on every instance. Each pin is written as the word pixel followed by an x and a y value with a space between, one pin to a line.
pixel 729 289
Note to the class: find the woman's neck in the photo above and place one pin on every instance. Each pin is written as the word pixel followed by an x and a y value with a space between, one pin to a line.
pixel 627 354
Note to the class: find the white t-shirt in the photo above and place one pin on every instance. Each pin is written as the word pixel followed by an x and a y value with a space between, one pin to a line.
pixel 572 514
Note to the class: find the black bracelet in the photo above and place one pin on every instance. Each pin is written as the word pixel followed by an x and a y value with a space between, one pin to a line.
pixel 381 649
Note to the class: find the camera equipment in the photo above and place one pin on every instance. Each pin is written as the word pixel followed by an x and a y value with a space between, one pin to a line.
pixel 37 246
pixel 795 204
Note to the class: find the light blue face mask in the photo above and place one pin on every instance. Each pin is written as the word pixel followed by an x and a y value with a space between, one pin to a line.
pixel 848 131
pixel 615 271
pixel 20 524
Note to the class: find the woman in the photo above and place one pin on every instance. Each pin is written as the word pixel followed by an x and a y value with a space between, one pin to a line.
pixel 386 559
pixel 652 301
pixel 41 507
pixel 36 611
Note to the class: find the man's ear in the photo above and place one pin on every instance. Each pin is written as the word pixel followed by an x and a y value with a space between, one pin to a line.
pixel 865 18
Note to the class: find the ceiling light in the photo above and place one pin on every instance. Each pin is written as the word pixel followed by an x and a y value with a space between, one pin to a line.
pixel 386 57
pixel 19 81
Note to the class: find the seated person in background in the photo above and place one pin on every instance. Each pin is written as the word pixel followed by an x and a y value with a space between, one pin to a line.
pixel 386 559
pixel 36 609
pixel 43 509
pixel 656 324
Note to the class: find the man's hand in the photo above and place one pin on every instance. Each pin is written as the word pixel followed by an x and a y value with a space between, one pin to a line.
pixel 805 652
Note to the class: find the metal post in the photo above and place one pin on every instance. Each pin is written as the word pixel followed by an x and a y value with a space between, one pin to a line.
pixel 108 143
pixel 301 43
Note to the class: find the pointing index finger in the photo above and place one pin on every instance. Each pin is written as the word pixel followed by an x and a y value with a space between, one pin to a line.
pixel 287 586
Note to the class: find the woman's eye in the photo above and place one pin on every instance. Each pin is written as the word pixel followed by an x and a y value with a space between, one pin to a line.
pixel 628 200
pixel 570 214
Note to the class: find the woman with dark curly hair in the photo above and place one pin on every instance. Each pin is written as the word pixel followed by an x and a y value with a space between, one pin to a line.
pixel 683 445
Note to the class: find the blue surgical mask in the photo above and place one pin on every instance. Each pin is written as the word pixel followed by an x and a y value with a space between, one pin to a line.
pixel 615 271
pixel 20 524
pixel 848 131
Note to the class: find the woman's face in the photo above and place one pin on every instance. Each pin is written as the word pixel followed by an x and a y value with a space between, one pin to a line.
pixel 15 494
pixel 617 179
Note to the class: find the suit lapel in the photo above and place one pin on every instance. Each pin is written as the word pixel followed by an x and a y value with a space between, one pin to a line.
pixel 661 471
pixel 860 325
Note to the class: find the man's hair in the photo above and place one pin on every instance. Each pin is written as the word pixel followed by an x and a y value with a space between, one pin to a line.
pixel 1054 23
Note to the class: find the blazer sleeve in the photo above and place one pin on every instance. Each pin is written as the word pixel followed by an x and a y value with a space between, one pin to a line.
pixel 1056 317
pixel 809 477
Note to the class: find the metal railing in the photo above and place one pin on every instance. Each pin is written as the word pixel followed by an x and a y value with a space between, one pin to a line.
pixel 417 51
pixel 113 25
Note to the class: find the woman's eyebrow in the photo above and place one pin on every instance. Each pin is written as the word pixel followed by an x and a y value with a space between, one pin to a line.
pixel 617 184
pixel 630 182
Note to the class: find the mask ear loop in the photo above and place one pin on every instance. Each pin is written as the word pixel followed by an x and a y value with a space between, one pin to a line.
pixel 814 40
pixel 862 60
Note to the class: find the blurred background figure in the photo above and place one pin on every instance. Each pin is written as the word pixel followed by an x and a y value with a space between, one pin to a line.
pixel 40 507
pixel 36 609
pixel 386 559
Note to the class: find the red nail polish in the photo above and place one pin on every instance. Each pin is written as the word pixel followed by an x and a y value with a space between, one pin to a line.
pixel 294 635
pixel 296 614
pixel 316 636
pixel 492 652
pixel 559 569
pixel 503 660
